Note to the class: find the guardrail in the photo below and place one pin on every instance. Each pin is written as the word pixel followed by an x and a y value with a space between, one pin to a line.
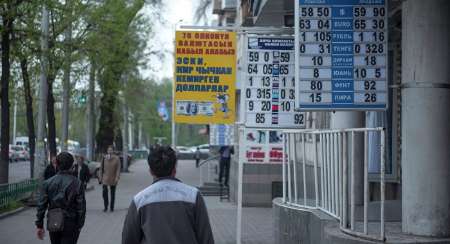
pixel 16 191
pixel 329 154
pixel 206 164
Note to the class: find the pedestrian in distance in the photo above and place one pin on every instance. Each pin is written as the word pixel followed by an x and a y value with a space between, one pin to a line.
pixel 224 164
pixel 197 157
pixel 109 177
pixel 81 170
pixel 62 197
pixel 168 211
pixel 51 169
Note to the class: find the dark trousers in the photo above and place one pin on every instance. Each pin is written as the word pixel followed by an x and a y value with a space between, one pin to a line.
pixel 197 162
pixel 105 196
pixel 224 170
pixel 68 236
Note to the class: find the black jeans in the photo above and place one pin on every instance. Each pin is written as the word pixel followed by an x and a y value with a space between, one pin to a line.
pixel 105 196
pixel 69 235
pixel 224 170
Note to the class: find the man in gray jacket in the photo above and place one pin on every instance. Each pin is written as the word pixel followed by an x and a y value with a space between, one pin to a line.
pixel 168 211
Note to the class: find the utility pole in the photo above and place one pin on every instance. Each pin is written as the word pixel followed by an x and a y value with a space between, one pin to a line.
pixel 43 89
pixel 91 113
pixel 66 88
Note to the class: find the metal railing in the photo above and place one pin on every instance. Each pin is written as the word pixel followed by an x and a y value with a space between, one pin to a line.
pixel 327 162
pixel 16 191
pixel 206 164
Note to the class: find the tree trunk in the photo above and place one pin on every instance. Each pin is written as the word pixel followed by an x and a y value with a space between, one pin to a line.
pixel 91 113
pixel 66 89
pixel 5 47
pixel 107 124
pixel 51 135
pixel 29 112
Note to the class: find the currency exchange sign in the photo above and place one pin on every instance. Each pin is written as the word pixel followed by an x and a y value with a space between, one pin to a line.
pixel 269 94
pixel 205 77
pixel 342 54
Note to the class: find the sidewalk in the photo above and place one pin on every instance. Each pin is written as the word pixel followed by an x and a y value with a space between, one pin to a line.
pixel 106 228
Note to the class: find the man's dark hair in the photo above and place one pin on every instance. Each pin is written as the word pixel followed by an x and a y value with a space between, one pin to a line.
pixel 64 160
pixel 162 161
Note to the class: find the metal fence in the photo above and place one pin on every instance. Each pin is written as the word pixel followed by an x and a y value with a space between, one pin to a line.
pixel 16 191
pixel 319 173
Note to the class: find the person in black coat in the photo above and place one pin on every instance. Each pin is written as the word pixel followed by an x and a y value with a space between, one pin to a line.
pixel 65 192
pixel 51 169
pixel 81 170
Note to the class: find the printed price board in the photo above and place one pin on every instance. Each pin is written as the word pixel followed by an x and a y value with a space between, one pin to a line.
pixel 204 77
pixel 342 54
pixel 269 94
pixel 263 146
pixel 221 135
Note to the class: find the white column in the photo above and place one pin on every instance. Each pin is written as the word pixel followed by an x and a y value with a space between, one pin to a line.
pixel 425 117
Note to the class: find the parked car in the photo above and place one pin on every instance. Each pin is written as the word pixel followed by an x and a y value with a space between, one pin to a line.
pixel 184 152
pixel 205 150
pixel 94 168
pixel 13 154
pixel 22 153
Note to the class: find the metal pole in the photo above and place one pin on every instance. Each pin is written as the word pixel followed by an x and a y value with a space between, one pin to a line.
pixel 239 203
pixel 289 169
pixel 304 169
pixel 328 172
pixel 316 182
pixel 344 180
pixel 336 174
pixel 284 166
pixel 340 183
pixel 294 158
pixel 297 47
pixel 383 185
pixel 352 185
pixel 43 90
pixel 332 175
pixel 366 184
pixel 322 168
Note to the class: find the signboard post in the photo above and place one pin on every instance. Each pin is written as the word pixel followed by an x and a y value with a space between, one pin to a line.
pixel 342 54
pixel 269 94
pixel 205 76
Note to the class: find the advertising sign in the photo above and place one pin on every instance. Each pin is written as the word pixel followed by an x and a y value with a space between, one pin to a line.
pixel 342 54
pixel 263 146
pixel 221 135
pixel 205 76
pixel 269 94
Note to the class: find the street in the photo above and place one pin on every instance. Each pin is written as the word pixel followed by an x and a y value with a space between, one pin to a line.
pixel 106 228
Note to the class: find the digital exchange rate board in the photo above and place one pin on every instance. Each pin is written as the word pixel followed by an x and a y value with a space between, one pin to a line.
pixel 269 94
pixel 342 54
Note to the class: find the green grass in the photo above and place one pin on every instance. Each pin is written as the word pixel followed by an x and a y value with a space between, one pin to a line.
pixel 11 206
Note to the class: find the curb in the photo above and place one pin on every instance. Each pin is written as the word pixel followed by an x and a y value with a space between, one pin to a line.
pixel 12 212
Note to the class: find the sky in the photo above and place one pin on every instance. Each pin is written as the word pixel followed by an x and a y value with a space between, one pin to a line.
pixel 174 12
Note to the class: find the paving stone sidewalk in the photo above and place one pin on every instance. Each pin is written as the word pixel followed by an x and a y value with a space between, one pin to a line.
pixel 106 228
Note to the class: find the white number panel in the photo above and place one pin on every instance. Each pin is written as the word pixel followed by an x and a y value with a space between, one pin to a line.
pixel 269 93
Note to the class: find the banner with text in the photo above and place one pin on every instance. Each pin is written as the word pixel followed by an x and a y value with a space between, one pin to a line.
pixel 205 77
pixel 263 146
